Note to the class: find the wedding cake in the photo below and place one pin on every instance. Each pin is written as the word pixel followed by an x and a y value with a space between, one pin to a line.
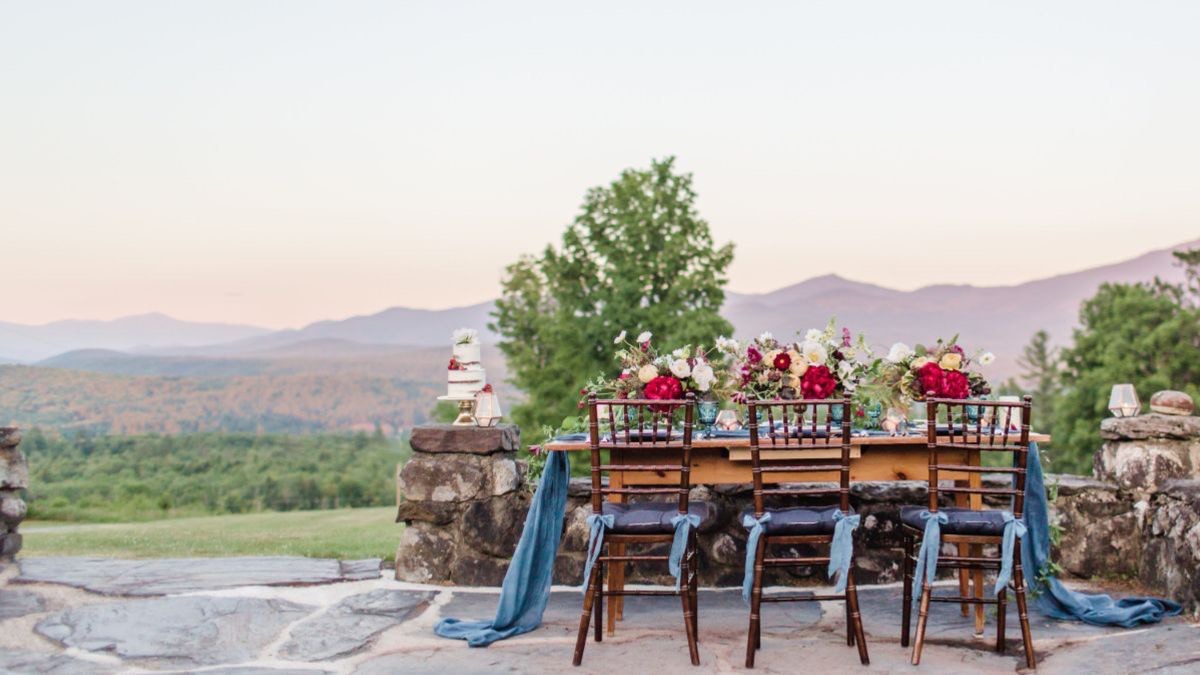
pixel 465 376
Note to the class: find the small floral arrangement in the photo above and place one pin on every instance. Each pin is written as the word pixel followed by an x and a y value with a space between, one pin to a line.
pixel 647 374
pixel 760 366
pixel 943 371
pixel 833 363
pixel 465 336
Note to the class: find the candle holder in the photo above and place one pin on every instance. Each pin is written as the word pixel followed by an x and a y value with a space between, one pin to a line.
pixel 1123 402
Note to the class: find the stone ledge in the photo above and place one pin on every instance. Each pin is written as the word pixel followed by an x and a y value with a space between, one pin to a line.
pixel 1151 425
pixel 447 438
pixel 1069 485
pixel 10 437
pixel 1187 489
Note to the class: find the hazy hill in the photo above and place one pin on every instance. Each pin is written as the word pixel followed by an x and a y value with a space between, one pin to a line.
pixel 30 343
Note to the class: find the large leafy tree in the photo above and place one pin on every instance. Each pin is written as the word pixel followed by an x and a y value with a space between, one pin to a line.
pixel 1145 334
pixel 638 257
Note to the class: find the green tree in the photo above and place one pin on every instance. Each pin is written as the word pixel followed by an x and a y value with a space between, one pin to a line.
pixel 638 257
pixel 1145 334
pixel 1039 364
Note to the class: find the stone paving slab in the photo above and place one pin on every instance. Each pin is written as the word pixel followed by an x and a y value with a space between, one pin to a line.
pixel 351 625
pixel 15 603
pixel 20 661
pixel 173 575
pixel 179 631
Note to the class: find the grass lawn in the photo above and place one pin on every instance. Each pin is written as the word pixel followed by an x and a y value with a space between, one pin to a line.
pixel 342 533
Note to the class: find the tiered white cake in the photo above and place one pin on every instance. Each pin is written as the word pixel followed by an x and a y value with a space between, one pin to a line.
pixel 465 375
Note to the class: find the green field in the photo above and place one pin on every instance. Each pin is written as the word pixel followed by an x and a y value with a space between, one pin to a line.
pixel 340 533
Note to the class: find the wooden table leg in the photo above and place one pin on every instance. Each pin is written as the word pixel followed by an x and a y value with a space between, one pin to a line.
pixel 616 570
pixel 975 480
pixel 964 575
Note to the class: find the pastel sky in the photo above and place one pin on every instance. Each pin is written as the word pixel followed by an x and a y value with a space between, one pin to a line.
pixel 282 162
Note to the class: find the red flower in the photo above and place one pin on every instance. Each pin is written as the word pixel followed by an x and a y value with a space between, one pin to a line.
pixel 817 382
pixel 487 388
pixel 664 387
pixel 955 385
pixel 753 355
pixel 782 361
pixel 930 377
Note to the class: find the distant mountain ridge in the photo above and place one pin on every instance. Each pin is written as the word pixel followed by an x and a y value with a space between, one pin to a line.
pixel 20 342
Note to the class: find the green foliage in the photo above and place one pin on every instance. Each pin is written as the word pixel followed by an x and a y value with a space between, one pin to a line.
pixel 637 257
pixel 444 412
pixel 1040 365
pixel 113 478
pixel 1145 334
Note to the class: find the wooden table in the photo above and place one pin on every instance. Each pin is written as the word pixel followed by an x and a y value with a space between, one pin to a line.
pixel 873 458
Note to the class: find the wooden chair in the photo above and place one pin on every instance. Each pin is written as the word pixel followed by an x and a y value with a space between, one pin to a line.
pixel 957 446
pixel 644 427
pixel 804 425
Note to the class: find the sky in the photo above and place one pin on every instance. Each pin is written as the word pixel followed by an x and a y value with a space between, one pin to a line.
pixel 277 163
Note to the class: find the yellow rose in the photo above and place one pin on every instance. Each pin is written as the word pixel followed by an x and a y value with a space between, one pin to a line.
pixel 920 361
pixel 799 367
pixel 792 381
pixel 951 361
pixel 647 372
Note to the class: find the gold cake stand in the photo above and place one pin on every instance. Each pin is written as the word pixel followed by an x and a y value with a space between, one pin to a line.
pixel 466 410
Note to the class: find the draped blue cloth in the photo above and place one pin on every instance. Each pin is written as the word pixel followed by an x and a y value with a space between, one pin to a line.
pixel 756 527
pixel 1014 528
pixel 842 548
pixel 931 544
pixel 597 524
pixel 683 524
pixel 1054 599
pixel 526 586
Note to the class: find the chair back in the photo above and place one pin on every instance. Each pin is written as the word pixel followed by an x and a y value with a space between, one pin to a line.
pixel 800 424
pixel 639 425
pixel 993 428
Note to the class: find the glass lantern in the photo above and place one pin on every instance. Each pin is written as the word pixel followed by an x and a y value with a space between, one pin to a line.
pixel 1123 402
pixel 487 407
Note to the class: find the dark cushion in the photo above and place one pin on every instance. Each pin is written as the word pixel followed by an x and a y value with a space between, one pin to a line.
pixel 798 520
pixel 655 517
pixel 962 521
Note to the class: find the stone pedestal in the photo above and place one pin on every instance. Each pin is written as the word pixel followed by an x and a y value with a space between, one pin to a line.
pixel 14 477
pixel 1141 454
pixel 463 502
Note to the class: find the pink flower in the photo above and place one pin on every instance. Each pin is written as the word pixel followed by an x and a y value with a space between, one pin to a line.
pixel 753 355
pixel 845 337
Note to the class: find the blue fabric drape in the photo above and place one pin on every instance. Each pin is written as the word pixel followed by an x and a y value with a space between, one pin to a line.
pixel 931 544
pixel 597 524
pixel 756 527
pixel 683 524
pixel 1054 599
pixel 526 588
pixel 1014 528
pixel 842 548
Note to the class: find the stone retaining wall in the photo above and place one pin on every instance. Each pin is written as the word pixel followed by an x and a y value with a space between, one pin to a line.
pixel 14 477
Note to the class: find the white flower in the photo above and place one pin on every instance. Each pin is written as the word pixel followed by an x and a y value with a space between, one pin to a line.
pixel 619 339
pixel 647 372
pixel 465 336
pixel 644 337
pixel 814 353
pixel 987 358
pixel 813 335
pixel 703 376
pixel 727 344
pixel 680 353
pixel 850 353
pixel 680 368
pixel 899 352
pixel 845 369
pixel 766 337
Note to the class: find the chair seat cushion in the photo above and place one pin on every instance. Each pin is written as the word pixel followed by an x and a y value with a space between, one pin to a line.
pixel 798 520
pixel 961 520
pixel 655 517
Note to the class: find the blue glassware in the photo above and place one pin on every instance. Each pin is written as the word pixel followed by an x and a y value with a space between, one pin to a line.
pixel 707 413
pixel 835 413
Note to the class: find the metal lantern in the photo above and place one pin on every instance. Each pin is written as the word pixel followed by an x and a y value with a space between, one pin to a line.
pixel 487 407
pixel 1123 402
pixel 727 420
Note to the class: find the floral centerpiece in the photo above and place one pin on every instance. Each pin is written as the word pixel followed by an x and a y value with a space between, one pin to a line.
pixel 826 363
pixel 648 374
pixel 761 367
pixel 942 371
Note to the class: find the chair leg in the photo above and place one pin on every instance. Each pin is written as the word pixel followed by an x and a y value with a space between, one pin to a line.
pixel 977 589
pixel 599 604
pixel 964 576
pixel 1001 615
pixel 1022 610
pixel 694 586
pixel 585 617
pixel 753 636
pixel 906 618
pixel 689 623
pixel 922 618
pixel 849 622
pixel 855 616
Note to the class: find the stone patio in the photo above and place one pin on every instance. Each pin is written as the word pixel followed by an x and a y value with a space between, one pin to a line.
pixel 270 615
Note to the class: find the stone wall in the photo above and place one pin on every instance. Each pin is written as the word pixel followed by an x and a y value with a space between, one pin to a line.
pixel 14 477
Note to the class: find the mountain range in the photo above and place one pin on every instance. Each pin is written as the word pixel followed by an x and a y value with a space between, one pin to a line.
pixel 998 318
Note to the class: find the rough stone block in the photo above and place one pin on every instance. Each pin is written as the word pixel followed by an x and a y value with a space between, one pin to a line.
pixel 447 438
pixel 425 554
pixel 1101 535
pixel 10 437
pixel 12 508
pixel 14 471
pixel 1170 560
pixel 1152 425
pixel 494 526
pixel 436 513
pixel 444 478
pixel 1143 466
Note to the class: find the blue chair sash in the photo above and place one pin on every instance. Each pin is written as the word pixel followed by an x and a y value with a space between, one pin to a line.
pixel 756 526
pixel 842 548
pixel 683 524
pixel 931 544
pixel 597 524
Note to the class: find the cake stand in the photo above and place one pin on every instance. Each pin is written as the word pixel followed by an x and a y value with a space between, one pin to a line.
pixel 466 409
